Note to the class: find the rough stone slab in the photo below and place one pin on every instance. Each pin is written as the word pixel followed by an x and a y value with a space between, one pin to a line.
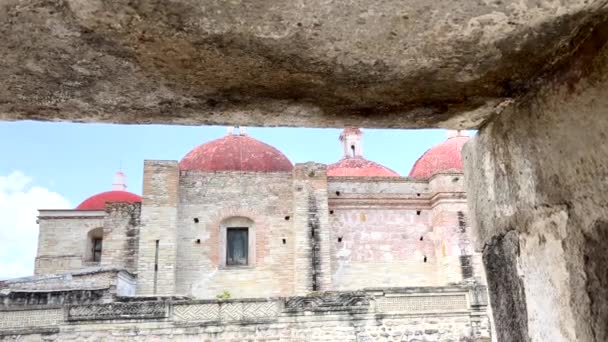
pixel 536 181
pixel 393 63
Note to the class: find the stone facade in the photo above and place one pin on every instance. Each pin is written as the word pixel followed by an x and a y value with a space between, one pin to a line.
pixel 206 201
pixel 306 231
pixel 362 255
pixel 63 242
pixel 158 238
pixel 398 231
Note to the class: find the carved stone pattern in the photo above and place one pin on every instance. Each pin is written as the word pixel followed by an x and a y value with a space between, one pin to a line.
pixel 415 304
pixel 231 312
pixel 30 318
pixel 259 310
pixel 117 311
pixel 196 312
pixel 226 312
pixel 328 302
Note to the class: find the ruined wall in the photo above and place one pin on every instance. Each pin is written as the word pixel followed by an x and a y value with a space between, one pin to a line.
pixel 208 198
pixel 406 314
pixel 121 235
pixel 63 243
pixel 394 232
pixel 94 285
pixel 537 183
pixel 156 265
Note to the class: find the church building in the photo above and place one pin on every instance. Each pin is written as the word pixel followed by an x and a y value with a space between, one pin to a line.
pixel 236 215
pixel 235 219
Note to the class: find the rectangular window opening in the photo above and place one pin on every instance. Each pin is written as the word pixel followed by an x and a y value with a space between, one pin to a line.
pixel 237 246
pixel 97 249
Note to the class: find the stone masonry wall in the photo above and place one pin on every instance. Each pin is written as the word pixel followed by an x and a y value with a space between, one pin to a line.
pixel 157 239
pixel 374 246
pixel 62 243
pixel 312 263
pixel 538 189
pixel 449 218
pixel 396 231
pixel 121 236
pixel 93 285
pixel 208 198
pixel 415 314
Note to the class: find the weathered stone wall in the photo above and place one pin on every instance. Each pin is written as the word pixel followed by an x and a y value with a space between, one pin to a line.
pixel 374 246
pixel 451 231
pixel 83 279
pixel 93 285
pixel 537 183
pixel 406 314
pixel 395 63
pixel 312 263
pixel 397 231
pixel 157 239
pixel 63 243
pixel 121 235
pixel 208 198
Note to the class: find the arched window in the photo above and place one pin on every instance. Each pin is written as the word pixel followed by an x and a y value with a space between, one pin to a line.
pixel 238 242
pixel 94 245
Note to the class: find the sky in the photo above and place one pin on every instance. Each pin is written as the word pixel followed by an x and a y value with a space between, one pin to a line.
pixel 46 165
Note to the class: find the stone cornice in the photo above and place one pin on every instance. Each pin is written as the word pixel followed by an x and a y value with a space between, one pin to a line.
pixel 409 201
pixel 448 197
pixel 53 214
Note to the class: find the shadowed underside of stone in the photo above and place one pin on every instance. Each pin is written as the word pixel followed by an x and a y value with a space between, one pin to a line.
pixel 393 63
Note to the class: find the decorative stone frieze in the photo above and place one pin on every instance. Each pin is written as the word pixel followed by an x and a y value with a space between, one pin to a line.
pixel 116 311
pixel 329 301
pixel 231 311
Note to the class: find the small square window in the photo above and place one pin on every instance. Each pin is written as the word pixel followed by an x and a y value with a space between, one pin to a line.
pixel 237 246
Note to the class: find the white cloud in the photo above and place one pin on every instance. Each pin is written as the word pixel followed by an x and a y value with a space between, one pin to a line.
pixel 19 204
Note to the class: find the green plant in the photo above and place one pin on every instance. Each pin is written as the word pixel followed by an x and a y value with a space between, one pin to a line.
pixel 224 295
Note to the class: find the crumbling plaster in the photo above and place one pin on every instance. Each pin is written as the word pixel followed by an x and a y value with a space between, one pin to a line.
pixel 308 63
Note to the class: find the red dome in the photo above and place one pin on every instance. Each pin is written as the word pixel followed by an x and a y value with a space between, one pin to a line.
pixel 98 202
pixel 235 153
pixel 359 167
pixel 444 157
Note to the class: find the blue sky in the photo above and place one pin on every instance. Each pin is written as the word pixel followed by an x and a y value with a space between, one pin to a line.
pixel 47 165
pixel 78 160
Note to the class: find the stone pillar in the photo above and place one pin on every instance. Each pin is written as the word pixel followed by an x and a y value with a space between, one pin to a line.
pixel 448 218
pixel 311 229
pixel 121 235
pixel 157 242
pixel 537 180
